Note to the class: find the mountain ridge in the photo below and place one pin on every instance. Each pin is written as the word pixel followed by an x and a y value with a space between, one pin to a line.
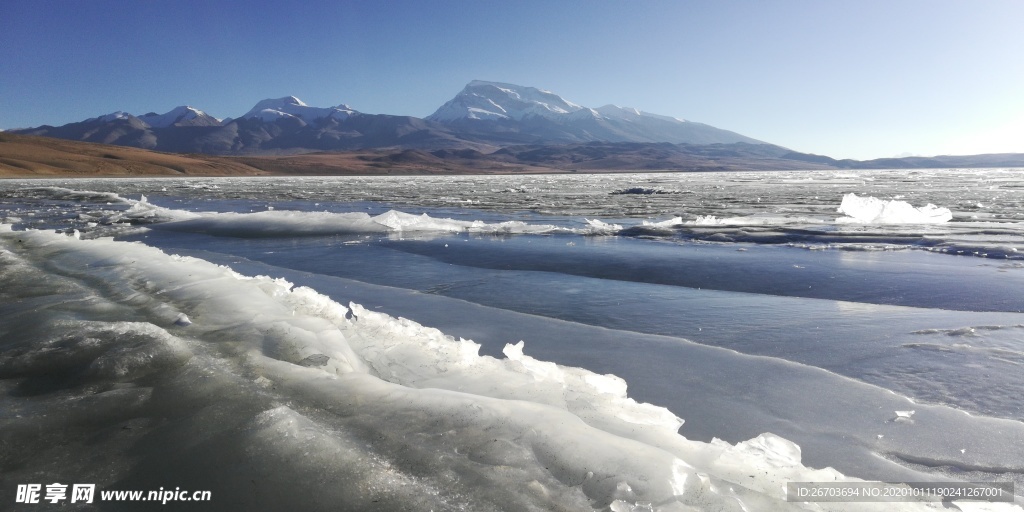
pixel 509 114
pixel 38 157
pixel 487 127
pixel 513 114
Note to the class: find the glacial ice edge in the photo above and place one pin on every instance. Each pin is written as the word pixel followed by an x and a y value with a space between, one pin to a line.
pixel 348 391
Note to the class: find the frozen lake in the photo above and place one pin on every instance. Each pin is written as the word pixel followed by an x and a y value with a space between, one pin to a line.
pixel 885 340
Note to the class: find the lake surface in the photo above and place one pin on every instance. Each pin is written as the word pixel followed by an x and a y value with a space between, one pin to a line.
pixel 885 340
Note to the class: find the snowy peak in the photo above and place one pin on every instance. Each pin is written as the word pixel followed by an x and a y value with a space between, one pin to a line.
pixel 180 116
pixel 483 115
pixel 270 110
pixel 527 114
pixel 113 116
pixel 497 100
pixel 632 114
pixel 276 104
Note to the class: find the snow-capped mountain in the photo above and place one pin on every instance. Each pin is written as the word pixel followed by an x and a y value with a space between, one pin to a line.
pixel 495 100
pixel 516 114
pixel 278 125
pixel 271 110
pixel 113 116
pixel 483 116
pixel 632 114
pixel 180 116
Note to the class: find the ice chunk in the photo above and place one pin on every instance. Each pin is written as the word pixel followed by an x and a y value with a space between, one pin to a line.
pixel 182 320
pixel 674 221
pixel 871 210
pixel 904 416
pixel 274 223
pixel 598 227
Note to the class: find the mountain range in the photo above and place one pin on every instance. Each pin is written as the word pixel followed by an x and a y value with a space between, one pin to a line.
pixel 487 127
pixel 484 116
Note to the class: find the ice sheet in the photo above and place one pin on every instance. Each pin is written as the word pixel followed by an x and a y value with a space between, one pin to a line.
pixel 797 209
pixel 302 385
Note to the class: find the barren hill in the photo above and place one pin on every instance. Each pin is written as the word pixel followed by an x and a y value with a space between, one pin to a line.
pixel 45 157
pixel 25 156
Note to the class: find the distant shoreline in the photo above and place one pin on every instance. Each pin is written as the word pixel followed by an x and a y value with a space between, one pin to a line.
pixel 34 157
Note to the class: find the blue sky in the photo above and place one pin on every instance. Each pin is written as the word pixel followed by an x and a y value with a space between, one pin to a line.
pixel 861 79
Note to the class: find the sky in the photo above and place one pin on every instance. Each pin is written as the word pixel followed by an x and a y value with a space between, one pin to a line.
pixel 865 79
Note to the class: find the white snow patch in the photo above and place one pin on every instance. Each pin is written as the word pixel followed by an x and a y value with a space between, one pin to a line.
pixel 290 106
pixel 871 210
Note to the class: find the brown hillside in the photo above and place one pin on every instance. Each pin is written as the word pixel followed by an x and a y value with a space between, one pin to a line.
pixel 25 156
